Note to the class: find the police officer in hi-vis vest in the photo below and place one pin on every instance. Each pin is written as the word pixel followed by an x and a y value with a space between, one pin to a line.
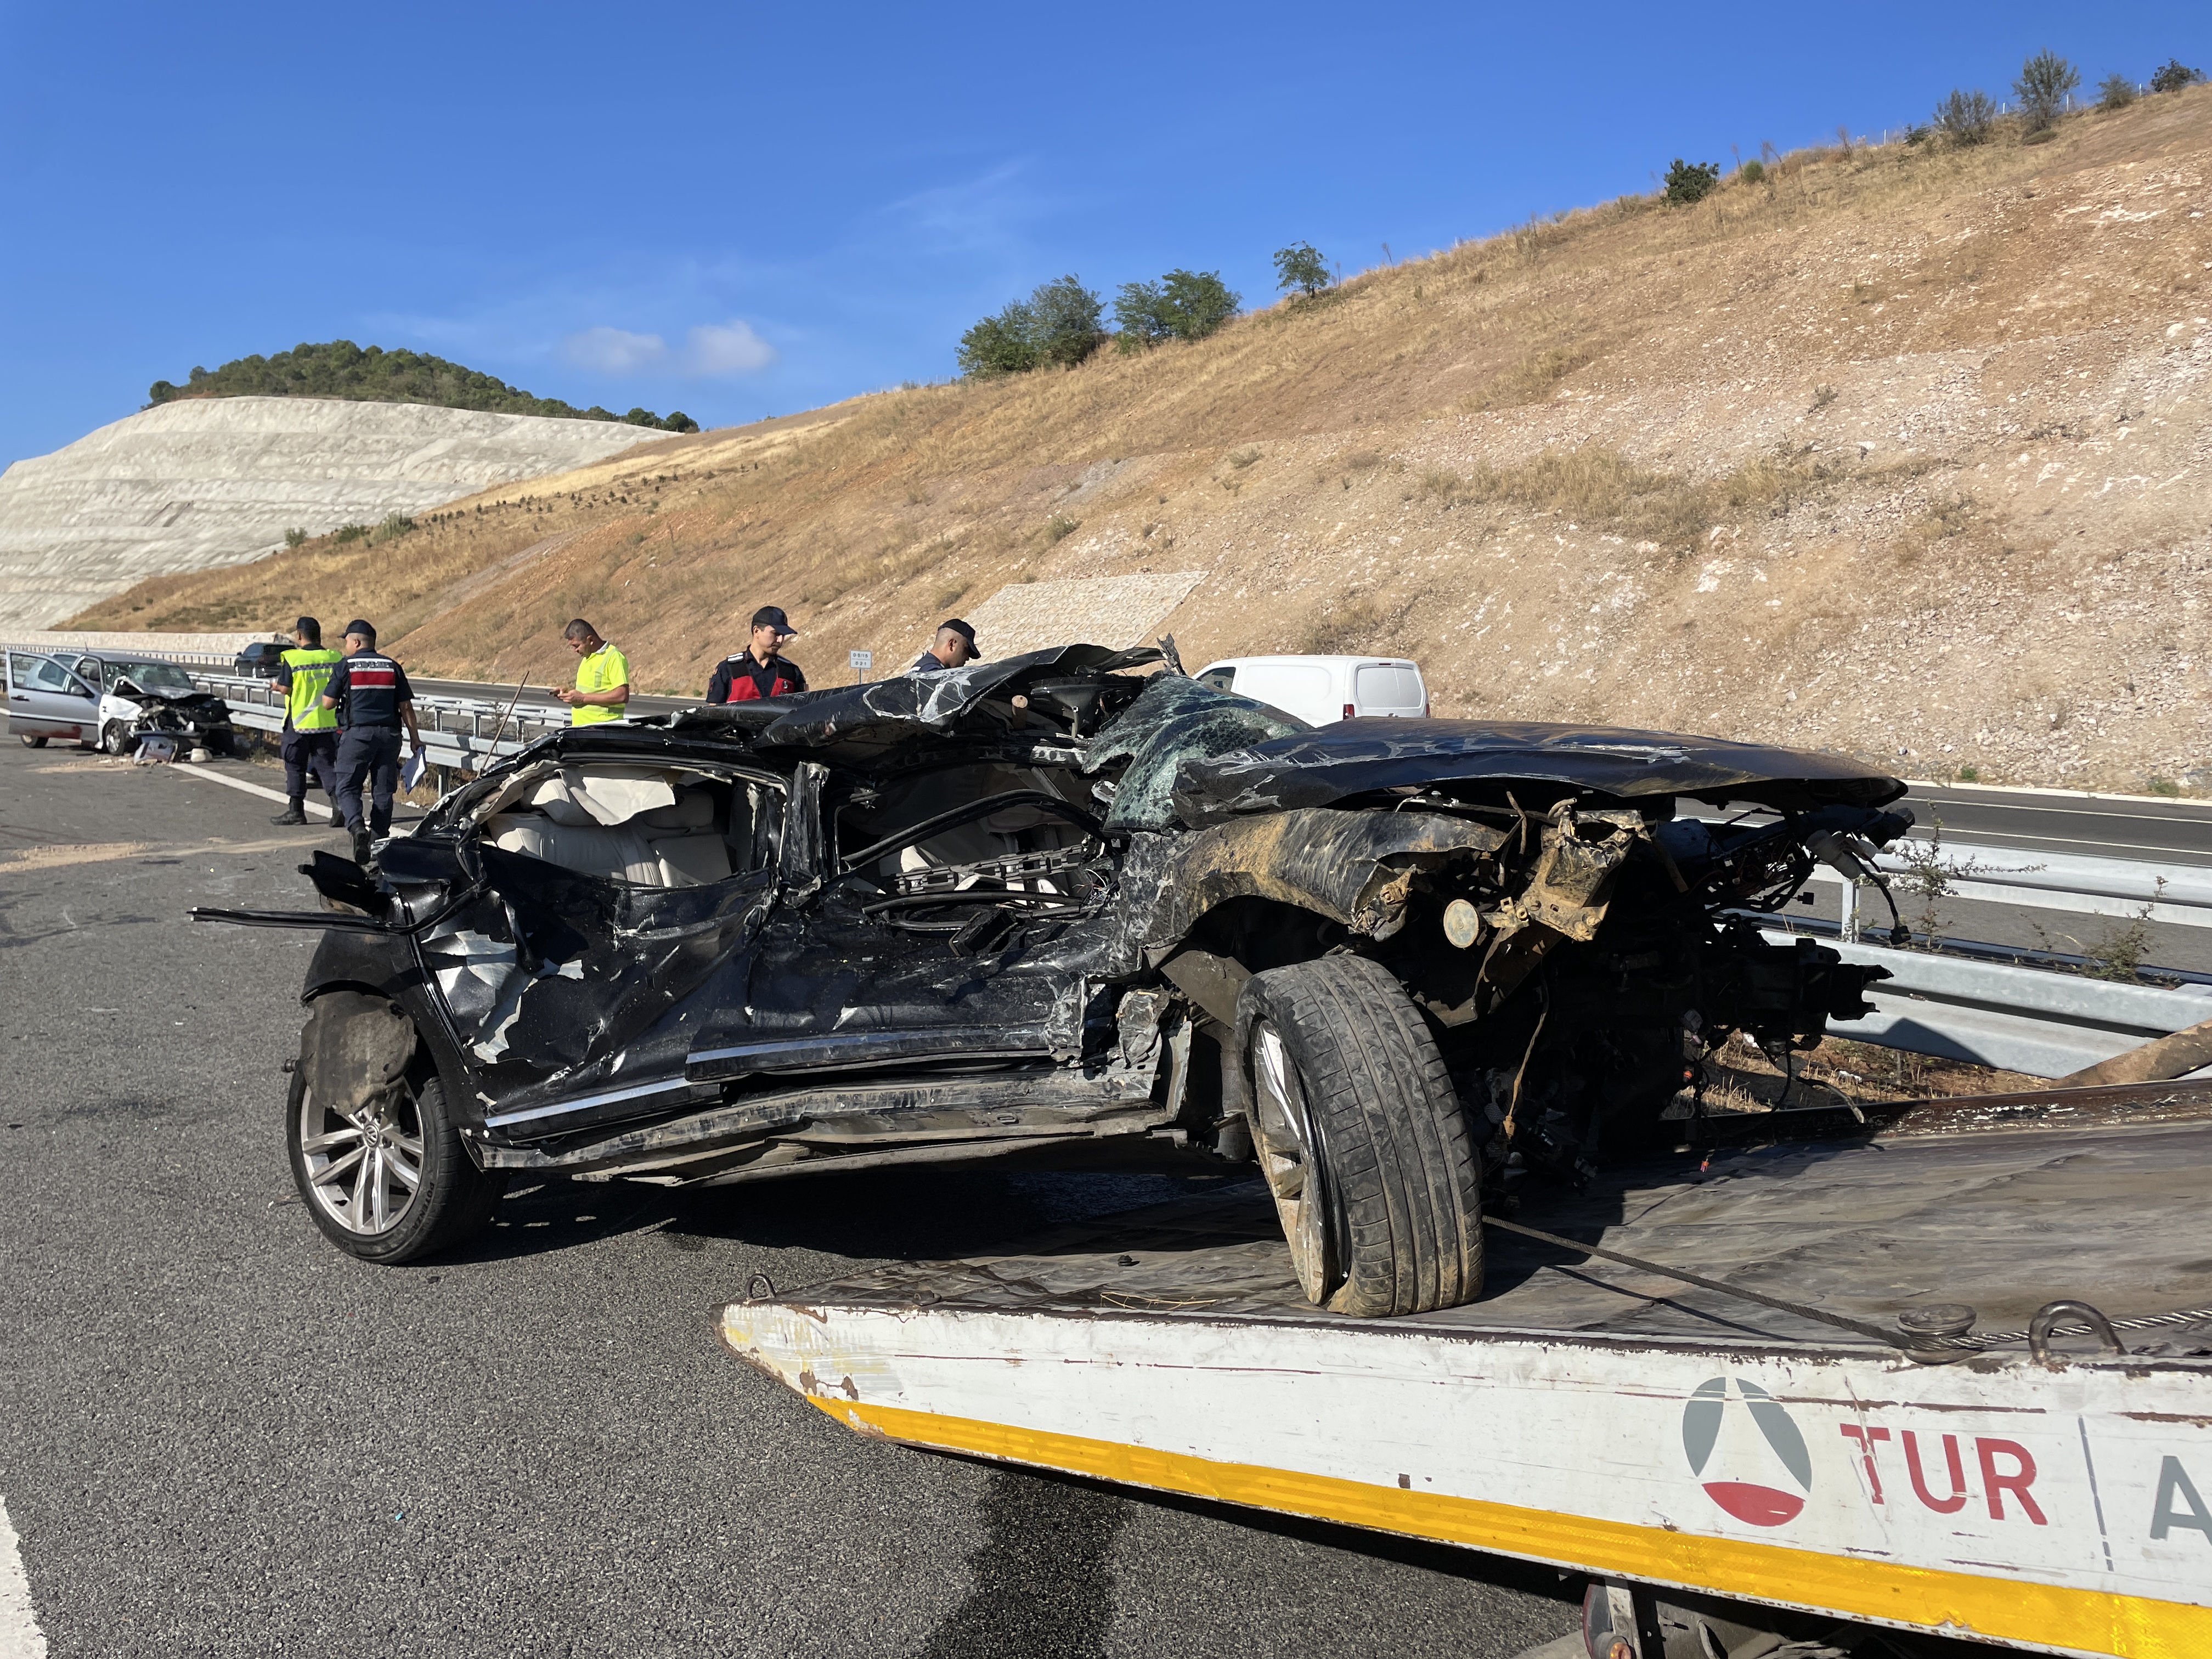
pixel 311 731
pixel 374 700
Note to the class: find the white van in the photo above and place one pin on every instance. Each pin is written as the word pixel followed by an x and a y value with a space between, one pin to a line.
pixel 1320 690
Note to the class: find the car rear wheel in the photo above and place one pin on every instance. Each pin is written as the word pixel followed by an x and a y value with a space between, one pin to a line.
pixel 1361 1139
pixel 391 1182
pixel 30 742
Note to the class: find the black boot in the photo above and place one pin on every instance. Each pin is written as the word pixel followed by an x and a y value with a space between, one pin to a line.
pixel 360 847
pixel 293 814
pixel 337 819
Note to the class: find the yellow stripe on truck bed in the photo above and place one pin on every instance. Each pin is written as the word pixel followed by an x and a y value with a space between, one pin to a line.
pixel 2010 1609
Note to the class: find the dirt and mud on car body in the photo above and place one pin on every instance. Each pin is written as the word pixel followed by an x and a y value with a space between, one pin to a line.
pixel 1062 912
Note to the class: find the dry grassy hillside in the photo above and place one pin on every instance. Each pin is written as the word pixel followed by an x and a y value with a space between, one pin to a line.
pixel 1903 451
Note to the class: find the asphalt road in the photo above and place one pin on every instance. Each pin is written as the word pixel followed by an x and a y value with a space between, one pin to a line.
pixel 219 1435
pixel 2144 830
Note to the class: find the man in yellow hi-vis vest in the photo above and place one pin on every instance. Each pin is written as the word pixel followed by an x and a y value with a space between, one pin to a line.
pixel 602 692
pixel 311 731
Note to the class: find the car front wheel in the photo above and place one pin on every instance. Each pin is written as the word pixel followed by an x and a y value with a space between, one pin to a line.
pixel 115 739
pixel 1362 1139
pixel 391 1182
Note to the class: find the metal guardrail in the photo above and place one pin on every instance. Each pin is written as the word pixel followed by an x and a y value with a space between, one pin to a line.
pixel 2032 1020
pixel 182 659
pixel 2178 894
pixel 2021 1019
pixel 457 732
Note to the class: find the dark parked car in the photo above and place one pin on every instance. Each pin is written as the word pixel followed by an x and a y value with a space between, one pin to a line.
pixel 1052 911
pixel 259 660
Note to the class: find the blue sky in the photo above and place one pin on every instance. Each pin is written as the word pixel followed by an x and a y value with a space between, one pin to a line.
pixel 738 211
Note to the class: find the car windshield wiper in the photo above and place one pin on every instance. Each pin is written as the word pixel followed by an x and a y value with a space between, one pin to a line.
pixel 915 833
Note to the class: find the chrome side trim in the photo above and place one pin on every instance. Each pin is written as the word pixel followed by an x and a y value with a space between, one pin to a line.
pixel 585 1103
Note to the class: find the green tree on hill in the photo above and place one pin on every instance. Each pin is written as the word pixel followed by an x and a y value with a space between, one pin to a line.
pixel 1000 345
pixel 1183 304
pixel 2173 74
pixel 1964 117
pixel 339 369
pixel 1692 181
pixel 1063 315
pixel 1058 323
pixel 2046 81
pixel 1300 266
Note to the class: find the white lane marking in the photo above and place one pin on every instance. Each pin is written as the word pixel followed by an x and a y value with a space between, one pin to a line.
pixel 277 795
pixel 20 1635
pixel 1988 839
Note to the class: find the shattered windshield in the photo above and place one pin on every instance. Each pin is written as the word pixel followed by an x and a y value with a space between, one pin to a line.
pixel 1172 721
pixel 150 676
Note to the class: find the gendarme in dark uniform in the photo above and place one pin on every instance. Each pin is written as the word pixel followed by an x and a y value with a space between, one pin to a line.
pixel 760 670
pixel 953 647
pixel 374 702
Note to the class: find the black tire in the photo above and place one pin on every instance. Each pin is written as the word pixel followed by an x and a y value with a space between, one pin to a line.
pixel 114 740
pixel 30 742
pixel 1398 1226
pixel 453 1200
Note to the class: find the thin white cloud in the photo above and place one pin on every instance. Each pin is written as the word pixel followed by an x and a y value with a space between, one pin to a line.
pixel 615 351
pixel 710 350
pixel 730 348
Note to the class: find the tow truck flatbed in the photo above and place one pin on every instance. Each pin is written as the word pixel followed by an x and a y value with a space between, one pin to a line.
pixel 1616 1421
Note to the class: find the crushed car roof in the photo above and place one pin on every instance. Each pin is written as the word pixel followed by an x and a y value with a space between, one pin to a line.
pixel 862 720
pixel 1208 756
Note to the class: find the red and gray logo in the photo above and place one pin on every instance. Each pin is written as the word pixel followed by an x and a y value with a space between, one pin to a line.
pixel 1746 1452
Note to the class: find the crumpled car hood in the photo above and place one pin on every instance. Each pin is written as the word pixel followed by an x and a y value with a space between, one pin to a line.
pixel 1353 757
pixel 200 705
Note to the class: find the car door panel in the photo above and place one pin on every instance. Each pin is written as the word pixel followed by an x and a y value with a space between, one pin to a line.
pixel 45 699
pixel 555 975
pixel 843 979
pixel 24 719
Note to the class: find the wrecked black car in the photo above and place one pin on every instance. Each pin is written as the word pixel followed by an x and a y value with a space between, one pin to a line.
pixel 1063 912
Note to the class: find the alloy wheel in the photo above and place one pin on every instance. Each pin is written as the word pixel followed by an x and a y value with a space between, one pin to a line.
pixel 1283 1137
pixel 364 1168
